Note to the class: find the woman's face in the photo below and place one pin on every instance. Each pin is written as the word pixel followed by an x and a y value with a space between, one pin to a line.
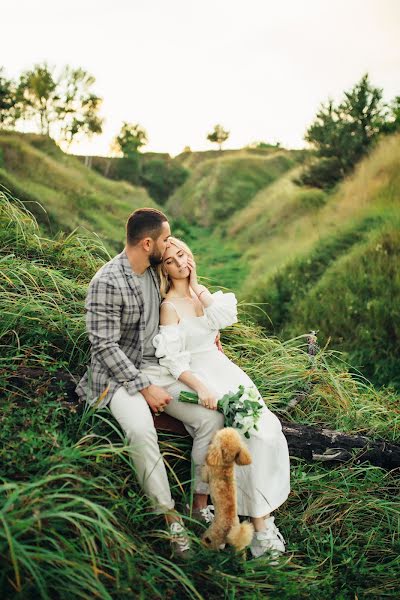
pixel 175 261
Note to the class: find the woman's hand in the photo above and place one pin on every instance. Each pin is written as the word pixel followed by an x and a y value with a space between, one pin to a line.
pixel 207 398
pixel 218 343
pixel 194 284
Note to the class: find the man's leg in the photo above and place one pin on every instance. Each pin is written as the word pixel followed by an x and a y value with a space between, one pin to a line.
pixel 134 416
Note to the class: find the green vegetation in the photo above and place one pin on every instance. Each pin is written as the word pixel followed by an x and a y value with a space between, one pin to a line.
pixel 343 134
pixel 74 522
pixel 218 188
pixel 218 136
pixel 280 247
pixel 63 106
pixel 332 267
pixel 39 173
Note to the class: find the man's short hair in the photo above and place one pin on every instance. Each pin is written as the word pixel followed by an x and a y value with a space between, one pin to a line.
pixel 144 222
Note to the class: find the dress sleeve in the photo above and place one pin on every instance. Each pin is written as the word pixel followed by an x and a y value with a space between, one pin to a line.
pixel 222 312
pixel 170 349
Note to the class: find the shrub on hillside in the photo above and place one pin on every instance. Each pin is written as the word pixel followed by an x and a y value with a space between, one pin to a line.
pixel 343 134
pixel 323 173
pixel 161 178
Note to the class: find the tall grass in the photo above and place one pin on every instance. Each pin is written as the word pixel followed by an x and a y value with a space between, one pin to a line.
pixel 75 523
pixel 39 173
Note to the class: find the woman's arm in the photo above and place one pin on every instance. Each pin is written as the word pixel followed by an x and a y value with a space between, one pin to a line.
pixel 169 316
pixel 206 397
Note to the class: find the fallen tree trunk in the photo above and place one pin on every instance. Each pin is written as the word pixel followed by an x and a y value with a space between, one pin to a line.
pixel 304 441
pixel 327 445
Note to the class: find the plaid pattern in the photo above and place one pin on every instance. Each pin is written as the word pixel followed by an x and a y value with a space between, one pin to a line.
pixel 115 322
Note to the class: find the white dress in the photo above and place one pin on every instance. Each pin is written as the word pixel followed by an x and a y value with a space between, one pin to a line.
pixel 190 345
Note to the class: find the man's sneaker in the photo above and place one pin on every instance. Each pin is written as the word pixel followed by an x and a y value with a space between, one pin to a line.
pixel 205 515
pixel 180 542
pixel 269 541
pixel 202 514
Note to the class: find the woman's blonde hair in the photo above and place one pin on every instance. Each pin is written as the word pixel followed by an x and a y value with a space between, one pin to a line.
pixel 165 282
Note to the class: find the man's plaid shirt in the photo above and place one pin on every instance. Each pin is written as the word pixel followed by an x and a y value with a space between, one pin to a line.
pixel 115 322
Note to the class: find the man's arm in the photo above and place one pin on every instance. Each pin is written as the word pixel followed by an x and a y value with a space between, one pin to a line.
pixel 103 324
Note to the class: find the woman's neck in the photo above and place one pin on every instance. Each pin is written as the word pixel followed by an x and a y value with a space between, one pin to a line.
pixel 181 288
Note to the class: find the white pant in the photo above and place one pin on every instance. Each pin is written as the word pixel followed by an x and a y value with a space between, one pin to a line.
pixel 135 417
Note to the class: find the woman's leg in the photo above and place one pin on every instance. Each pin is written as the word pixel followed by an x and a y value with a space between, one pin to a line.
pixel 201 423
pixel 259 522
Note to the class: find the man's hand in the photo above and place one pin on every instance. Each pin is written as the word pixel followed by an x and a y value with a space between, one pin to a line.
pixel 156 397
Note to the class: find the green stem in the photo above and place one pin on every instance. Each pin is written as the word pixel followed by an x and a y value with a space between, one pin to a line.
pixel 190 397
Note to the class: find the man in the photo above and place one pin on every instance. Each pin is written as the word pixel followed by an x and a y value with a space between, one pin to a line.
pixel 122 319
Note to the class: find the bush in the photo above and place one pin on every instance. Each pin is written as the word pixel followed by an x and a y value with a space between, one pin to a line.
pixel 161 178
pixel 323 174
pixel 312 198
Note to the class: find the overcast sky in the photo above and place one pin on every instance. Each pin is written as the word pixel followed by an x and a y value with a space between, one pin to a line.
pixel 178 67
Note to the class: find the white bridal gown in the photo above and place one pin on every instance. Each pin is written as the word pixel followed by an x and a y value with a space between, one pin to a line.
pixel 190 345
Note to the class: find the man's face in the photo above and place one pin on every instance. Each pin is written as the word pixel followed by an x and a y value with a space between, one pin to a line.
pixel 160 245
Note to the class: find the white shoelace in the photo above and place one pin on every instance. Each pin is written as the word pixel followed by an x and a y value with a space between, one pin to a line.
pixel 269 523
pixel 178 536
pixel 207 514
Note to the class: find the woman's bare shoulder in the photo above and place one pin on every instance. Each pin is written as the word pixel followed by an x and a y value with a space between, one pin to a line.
pixel 168 313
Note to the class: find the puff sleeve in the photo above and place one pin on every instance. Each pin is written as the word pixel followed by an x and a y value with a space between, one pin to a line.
pixel 222 312
pixel 170 349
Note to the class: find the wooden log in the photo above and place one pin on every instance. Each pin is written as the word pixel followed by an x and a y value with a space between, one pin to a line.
pixel 327 445
pixel 310 443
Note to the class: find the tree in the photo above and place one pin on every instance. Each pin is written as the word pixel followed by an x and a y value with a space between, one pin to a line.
pixel 78 107
pixel 393 122
pixel 65 106
pixel 37 93
pixel 341 135
pixel 218 136
pixel 8 101
pixel 131 138
pixel 129 141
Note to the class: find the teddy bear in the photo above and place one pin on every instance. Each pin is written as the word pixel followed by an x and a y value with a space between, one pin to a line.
pixel 225 449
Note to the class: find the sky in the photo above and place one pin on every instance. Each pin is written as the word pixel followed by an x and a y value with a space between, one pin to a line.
pixel 261 68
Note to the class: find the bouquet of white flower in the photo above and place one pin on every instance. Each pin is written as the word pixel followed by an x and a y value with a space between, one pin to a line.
pixel 241 409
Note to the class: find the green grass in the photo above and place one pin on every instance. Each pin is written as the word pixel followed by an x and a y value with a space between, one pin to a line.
pixel 64 194
pixel 73 520
pixel 220 187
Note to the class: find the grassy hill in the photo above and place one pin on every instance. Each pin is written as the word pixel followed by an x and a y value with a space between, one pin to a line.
pixel 36 171
pixel 226 183
pixel 75 524
pixel 308 259
pixel 330 262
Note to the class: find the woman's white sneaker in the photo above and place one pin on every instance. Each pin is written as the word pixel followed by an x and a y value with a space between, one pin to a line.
pixel 269 523
pixel 270 540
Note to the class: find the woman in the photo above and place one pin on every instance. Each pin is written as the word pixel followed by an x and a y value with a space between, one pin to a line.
pixel 190 318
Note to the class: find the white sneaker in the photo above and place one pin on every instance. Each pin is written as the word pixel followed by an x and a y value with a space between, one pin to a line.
pixel 270 541
pixel 180 542
pixel 274 528
pixel 202 514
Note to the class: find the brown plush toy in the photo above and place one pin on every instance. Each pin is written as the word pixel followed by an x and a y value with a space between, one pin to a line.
pixel 226 449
